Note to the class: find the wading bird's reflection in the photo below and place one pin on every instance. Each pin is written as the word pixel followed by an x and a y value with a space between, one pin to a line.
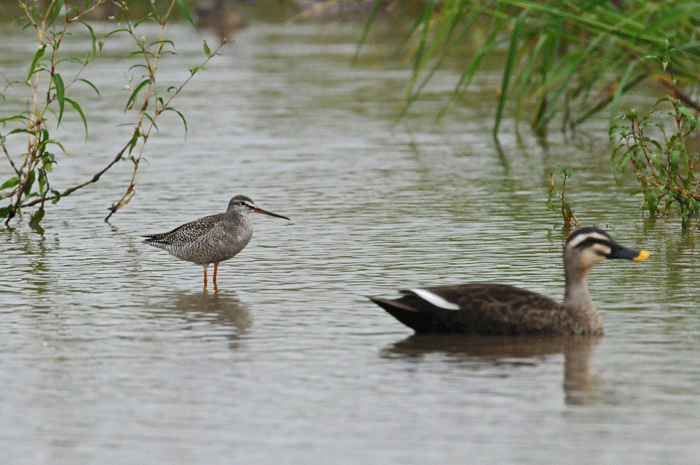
pixel 219 309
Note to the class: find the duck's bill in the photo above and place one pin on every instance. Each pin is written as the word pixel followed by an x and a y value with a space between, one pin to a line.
pixel 623 253
pixel 265 212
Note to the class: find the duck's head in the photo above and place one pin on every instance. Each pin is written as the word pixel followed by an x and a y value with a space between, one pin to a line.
pixel 589 245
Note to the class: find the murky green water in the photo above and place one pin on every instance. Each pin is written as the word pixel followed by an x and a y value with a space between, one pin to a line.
pixel 111 353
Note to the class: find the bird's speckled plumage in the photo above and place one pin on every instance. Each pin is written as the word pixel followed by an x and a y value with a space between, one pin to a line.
pixel 499 309
pixel 214 238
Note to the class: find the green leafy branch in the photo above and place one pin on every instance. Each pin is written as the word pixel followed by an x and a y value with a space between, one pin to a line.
pixel 147 91
pixel 564 207
pixel 36 164
pixel 48 90
pixel 665 169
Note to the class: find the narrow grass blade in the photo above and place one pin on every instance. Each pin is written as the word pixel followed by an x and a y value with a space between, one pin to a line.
pixel 365 31
pixel 618 92
pixel 510 63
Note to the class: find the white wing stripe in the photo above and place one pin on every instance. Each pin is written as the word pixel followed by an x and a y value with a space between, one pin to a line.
pixel 434 299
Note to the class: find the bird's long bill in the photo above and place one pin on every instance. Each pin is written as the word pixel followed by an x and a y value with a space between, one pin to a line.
pixel 265 212
pixel 623 253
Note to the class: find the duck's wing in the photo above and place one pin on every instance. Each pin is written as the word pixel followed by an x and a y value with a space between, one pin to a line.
pixel 477 309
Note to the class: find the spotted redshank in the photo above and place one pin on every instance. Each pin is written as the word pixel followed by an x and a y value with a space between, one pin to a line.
pixel 214 238
pixel 499 309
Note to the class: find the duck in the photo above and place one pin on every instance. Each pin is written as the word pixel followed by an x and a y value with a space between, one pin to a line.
pixel 504 310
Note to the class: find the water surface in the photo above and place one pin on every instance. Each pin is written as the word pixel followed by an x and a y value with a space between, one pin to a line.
pixel 111 352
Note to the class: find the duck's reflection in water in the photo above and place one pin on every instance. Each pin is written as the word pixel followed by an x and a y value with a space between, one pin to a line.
pixel 518 350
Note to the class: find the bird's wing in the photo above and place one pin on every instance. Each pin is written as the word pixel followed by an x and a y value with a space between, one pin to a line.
pixel 495 305
pixel 186 233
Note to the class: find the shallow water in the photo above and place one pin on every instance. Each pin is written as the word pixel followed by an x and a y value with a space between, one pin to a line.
pixel 112 353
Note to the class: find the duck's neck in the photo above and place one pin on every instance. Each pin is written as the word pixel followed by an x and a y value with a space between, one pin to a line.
pixel 576 296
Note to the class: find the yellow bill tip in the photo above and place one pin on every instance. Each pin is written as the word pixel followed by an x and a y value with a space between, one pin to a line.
pixel 643 255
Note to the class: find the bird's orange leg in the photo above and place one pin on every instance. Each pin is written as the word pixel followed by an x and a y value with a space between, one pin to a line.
pixel 205 278
pixel 216 288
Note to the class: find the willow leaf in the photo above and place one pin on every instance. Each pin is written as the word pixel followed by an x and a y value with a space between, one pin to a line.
pixel 80 112
pixel 135 93
pixel 37 56
pixel 60 95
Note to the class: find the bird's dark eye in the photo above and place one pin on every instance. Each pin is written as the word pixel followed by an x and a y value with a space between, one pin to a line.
pixel 241 203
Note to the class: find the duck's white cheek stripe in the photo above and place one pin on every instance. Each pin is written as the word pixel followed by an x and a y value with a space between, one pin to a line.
pixel 582 237
pixel 434 299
